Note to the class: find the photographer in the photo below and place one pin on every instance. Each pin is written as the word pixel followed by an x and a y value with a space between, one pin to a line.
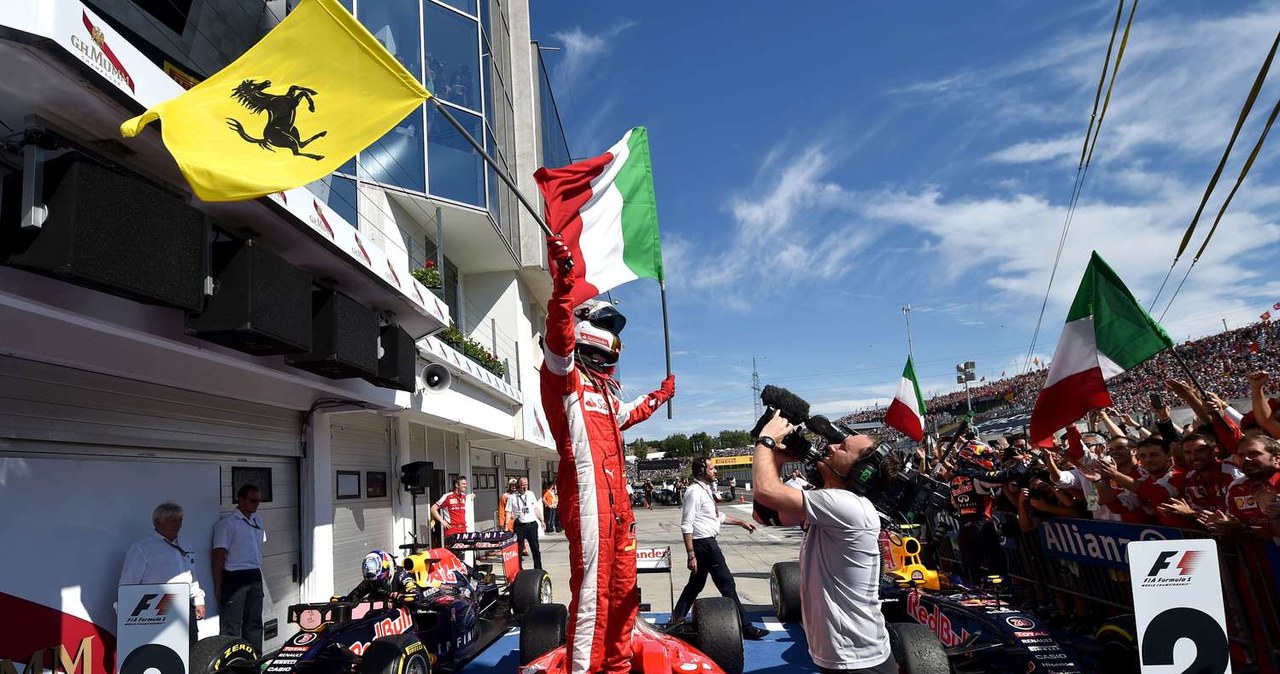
pixel 840 554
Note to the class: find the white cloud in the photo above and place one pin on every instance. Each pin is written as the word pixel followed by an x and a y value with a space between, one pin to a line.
pixel 583 49
pixel 1037 151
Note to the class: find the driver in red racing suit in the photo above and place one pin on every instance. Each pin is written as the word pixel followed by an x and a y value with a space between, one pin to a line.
pixel 580 398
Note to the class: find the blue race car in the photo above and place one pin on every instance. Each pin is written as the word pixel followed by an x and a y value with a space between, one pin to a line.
pixel 460 611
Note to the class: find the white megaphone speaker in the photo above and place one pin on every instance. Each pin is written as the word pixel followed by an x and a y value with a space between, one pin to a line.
pixel 436 378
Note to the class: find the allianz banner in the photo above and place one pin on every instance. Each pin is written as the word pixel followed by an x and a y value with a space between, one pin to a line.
pixel 1097 542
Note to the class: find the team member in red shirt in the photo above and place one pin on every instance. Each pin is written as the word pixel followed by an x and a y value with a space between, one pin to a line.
pixel 1163 481
pixel 1251 500
pixel 450 510
pixel 1207 482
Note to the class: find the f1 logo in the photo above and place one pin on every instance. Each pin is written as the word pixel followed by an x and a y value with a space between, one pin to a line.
pixel 156 603
pixel 1186 565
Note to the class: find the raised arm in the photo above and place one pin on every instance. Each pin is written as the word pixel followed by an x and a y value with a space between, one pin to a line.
pixel 643 407
pixel 558 340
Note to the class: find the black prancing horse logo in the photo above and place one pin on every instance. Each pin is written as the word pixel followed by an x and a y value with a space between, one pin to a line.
pixel 282 112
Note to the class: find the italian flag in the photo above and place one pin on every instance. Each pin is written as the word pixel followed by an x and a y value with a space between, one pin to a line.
pixel 605 209
pixel 906 412
pixel 1107 332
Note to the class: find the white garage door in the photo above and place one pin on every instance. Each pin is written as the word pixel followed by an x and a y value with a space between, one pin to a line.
pixel 93 454
pixel 362 519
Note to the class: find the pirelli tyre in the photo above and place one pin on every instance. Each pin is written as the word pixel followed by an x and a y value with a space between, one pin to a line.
pixel 719 632
pixel 784 587
pixel 395 654
pixel 542 628
pixel 917 649
pixel 1118 645
pixel 531 588
pixel 216 653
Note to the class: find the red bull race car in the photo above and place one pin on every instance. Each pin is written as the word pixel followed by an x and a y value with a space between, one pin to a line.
pixel 461 609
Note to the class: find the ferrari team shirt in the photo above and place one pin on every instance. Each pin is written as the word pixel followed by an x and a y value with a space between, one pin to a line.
pixel 454 506
pixel 840 581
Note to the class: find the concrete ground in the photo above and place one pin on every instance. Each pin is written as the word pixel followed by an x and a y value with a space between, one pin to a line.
pixel 749 555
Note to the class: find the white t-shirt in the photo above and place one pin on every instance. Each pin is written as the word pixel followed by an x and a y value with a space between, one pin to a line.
pixel 523 508
pixel 840 581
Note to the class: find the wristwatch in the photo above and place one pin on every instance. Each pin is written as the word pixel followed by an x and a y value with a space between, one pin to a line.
pixel 767 442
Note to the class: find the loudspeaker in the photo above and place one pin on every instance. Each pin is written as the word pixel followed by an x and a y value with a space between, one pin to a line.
pixel 113 232
pixel 260 304
pixel 398 361
pixel 436 378
pixel 344 338
pixel 416 477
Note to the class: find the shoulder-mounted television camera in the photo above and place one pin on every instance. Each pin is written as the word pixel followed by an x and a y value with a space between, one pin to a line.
pixel 877 475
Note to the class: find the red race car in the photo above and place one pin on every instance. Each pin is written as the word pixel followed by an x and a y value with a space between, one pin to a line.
pixel 709 644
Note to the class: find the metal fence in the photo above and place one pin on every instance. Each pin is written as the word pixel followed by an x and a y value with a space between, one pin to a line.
pixel 1077 558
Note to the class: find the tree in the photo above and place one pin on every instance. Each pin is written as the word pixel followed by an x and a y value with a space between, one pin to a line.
pixel 703 443
pixel 639 448
pixel 677 445
pixel 729 439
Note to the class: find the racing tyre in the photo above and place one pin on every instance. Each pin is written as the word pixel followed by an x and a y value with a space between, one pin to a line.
pixel 917 649
pixel 719 632
pixel 542 629
pixel 1118 647
pixel 213 654
pixel 784 587
pixel 395 654
pixel 531 588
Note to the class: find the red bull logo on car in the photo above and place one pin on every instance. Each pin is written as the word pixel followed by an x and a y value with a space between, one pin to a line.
pixel 937 621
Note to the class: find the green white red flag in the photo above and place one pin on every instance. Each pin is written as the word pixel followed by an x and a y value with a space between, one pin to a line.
pixel 906 412
pixel 1107 332
pixel 605 209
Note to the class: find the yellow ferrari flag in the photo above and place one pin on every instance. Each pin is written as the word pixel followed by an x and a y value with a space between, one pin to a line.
pixel 301 102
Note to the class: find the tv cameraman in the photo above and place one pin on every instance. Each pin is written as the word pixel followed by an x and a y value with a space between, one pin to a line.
pixel 839 556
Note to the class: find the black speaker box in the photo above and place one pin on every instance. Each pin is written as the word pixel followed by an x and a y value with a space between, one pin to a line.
pixel 396 367
pixel 260 304
pixel 344 338
pixel 416 476
pixel 113 232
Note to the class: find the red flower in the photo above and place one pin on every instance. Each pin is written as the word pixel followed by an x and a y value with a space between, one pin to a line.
pixel 429 264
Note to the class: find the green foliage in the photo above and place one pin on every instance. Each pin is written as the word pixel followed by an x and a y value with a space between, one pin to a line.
pixel 703 443
pixel 472 349
pixel 639 448
pixel 730 439
pixel 427 276
pixel 677 445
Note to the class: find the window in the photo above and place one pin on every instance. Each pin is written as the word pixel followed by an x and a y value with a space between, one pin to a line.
pixel 258 476
pixel 456 170
pixel 396 158
pixel 453 56
pixel 448 279
pixel 468 6
pixel 339 194
pixel 395 24
pixel 348 484
pixel 375 484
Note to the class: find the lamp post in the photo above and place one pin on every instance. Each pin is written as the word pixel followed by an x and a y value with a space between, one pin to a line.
pixel 964 375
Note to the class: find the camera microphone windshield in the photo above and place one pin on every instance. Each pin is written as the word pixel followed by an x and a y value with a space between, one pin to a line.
pixel 823 427
pixel 792 406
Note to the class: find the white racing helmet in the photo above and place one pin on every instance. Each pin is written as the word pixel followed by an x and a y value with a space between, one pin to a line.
pixel 596 328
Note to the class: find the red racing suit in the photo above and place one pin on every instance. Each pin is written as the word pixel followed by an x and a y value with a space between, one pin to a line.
pixel 587 419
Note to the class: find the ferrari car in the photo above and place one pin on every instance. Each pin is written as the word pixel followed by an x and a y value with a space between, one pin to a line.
pixel 711 643
pixel 976 629
pixel 461 609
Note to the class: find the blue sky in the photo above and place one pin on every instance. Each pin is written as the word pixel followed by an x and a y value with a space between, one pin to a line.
pixel 820 165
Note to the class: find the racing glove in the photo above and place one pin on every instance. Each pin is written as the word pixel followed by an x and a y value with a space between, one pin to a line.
pixel 561 258
pixel 666 391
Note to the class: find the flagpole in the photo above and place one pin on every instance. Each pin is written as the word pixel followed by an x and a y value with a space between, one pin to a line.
pixel 906 313
pixel 1186 368
pixel 666 333
pixel 492 164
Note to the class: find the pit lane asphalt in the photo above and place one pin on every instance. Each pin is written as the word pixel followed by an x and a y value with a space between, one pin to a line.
pixel 750 557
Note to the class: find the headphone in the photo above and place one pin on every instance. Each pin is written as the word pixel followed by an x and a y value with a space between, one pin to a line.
pixel 699 466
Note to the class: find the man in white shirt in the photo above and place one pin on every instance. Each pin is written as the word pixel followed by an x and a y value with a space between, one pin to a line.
pixel 163 557
pixel 524 514
pixel 797 481
pixel 700 522
pixel 839 556
pixel 237 567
